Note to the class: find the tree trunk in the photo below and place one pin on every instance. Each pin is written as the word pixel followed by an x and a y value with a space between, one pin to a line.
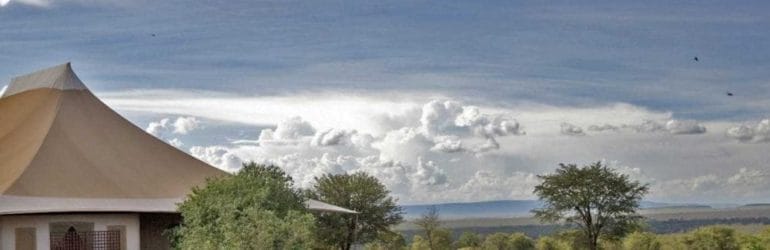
pixel 593 243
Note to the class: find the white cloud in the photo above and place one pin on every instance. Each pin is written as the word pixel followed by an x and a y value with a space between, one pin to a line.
pixel 685 127
pixel 37 3
pixel 759 132
pixel 427 152
pixel 158 128
pixel 184 125
pixel 167 130
pixel 48 3
pixel 672 126
pixel 604 127
pixel 448 145
pixel 218 156
pixel 570 129
pixel 745 184
pixel 176 142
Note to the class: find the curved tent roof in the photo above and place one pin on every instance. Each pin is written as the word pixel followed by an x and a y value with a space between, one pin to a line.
pixel 63 150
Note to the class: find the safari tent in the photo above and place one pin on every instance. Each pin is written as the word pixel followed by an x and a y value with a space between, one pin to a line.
pixel 74 172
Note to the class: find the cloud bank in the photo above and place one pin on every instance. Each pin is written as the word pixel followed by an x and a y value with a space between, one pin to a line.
pixel 444 150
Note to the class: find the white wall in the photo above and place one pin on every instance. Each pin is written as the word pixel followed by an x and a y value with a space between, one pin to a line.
pixel 8 224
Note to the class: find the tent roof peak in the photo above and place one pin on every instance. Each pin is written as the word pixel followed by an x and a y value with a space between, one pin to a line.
pixel 59 77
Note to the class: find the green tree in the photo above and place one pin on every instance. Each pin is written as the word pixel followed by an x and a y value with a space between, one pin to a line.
pixel 257 208
pixel 601 202
pixel 419 243
pixel 750 242
pixel 519 241
pixel 387 241
pixel 501 241
pixel 377 210
pixel 469 239
pixel 712 238
pixel 549 243
pixel 430 223
pixel 496 241
pixel 641 241
pixel 441 239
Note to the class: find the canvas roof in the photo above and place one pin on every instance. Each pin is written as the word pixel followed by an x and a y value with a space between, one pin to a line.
pixel 62 149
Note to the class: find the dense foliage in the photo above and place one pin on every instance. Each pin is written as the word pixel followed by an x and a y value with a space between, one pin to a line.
pixel 257 208
pixel 377 210
pixel 601 202
pixel 705 238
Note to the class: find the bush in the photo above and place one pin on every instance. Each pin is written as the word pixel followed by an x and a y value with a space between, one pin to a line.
pixel 501 241
pixel 387 241
pixel 519 241
pixel 549 243
pixel 713 237
pixel 497 241
pixel 419 243
pixel 641 241
pixel 469 239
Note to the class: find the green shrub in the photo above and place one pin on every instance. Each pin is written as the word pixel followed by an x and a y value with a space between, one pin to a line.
pixel 550 243
pixel 519 241
pixel 469 239
pixel 712 238
pixel 641 241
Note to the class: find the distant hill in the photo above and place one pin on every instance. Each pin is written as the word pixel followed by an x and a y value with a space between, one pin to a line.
pixel 505 208
pixel 756 205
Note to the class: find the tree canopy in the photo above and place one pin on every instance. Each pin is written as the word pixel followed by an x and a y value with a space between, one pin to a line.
pixel 377 210
pixel 600 201
pixel 257 208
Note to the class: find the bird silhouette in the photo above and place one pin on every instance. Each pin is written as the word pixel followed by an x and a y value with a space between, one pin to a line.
pixel 153 35
pixel 696 59
pixel 729 93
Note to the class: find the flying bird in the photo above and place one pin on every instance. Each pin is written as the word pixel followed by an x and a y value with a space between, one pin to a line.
pixel 696 59
pixel 153 34
pixel 729 93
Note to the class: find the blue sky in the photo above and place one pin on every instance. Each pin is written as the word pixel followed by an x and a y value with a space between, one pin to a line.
pixel 374 66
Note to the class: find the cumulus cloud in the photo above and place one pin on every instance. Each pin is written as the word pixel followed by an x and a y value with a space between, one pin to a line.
pixel 685 127
pixel 332 137
pixel 176 142
pixel 570 129
pixel 760 132
pixel 180 126
pixel 448 145
pixel 184 125
pixel 288 130
pixel 218 156
pixel 452 150
pixel 673 126
pixel 165 129
pixel 604 127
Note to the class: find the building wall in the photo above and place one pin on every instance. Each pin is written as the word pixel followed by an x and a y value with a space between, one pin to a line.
pixel 41 224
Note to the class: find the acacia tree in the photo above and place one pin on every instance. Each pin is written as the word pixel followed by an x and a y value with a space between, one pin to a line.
pixel 436 237
pixel 601 202
pixel 257 208
pixel 377 210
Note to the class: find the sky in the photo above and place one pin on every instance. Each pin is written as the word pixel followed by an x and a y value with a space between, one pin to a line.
pixel 443 101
